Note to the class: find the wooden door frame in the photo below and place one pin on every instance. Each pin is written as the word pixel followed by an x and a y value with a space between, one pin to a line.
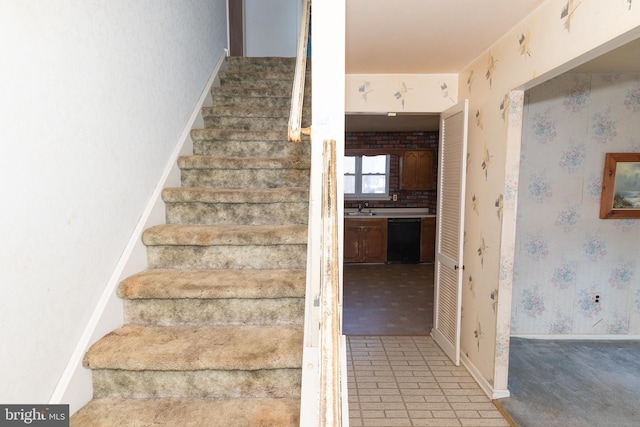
pixel 236 28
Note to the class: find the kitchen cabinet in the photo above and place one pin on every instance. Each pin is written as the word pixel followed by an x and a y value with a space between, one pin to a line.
pixel 416 170
pixel 365 240
pixel 428 240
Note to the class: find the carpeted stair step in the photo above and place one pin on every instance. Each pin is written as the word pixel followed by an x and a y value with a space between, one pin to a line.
pixel 197 205
pixel 236 100
pixel 238 148
pixel 247 123
pixel 176 412
pixel 238 135
pixel 197 362
pixel 214 116
pixel 248 93
pixel 222 99
pixel 232 247
pixel 221 172
pixel 258 79
pixel 214 297
pixel 169 283
pixel 244 112
pixel 243 63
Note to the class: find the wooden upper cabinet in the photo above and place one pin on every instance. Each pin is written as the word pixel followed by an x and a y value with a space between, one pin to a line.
pixel 416 170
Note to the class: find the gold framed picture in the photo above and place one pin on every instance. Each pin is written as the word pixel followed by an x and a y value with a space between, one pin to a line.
pixel 621 186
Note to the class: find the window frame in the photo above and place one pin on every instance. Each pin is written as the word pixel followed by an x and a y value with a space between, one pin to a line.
pixel 358 195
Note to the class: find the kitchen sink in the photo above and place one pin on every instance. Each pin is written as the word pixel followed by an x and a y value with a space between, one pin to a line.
pixel 360 213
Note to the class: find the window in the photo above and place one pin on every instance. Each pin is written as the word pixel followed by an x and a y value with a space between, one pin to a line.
pixel 366 177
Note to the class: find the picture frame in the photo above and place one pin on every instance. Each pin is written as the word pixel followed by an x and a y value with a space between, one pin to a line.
pixel 621 186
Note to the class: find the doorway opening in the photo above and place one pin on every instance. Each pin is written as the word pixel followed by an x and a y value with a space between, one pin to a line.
pixel 572 283
pixel 389 289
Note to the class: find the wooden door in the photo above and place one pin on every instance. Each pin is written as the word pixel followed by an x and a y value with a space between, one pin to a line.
pixel 450 228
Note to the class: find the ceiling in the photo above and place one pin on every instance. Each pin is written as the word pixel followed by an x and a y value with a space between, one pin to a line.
pixel 425 36
pixel 377 32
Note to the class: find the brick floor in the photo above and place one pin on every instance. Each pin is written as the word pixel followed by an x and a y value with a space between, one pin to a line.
pixel 409 381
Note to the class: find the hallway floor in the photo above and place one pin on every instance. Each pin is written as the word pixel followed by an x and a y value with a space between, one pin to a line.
pixel 397 374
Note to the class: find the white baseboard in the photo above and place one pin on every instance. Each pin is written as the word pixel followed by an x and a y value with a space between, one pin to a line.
pixel 482 382
pixel 75 387
pixel 616 337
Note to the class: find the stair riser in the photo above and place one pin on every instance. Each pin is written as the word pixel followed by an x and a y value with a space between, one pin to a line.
pixel 274 92
pixel 254 82
pixel 251 178
pixel 211 384
pixel 231 257
pixel 220 100
pixel 250 149
pixel 237 214
pixel 240 64
pixel 173 312
pixel 206 135
pixel 247 123
pixel 248 112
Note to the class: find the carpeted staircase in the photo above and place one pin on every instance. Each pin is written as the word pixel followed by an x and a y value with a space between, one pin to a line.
pixel 213 329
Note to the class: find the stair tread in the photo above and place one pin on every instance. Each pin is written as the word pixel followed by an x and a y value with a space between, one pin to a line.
pixel 211 162
pixel 189 348
pixel 222 111
pixel 168 283
pixel 238 135
pixel 172 412
pixel 234 195
pixel 228 235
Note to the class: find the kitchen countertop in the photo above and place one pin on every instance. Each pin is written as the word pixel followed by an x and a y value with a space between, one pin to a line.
pixel 389 213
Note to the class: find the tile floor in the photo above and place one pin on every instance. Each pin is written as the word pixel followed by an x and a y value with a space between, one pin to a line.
pixel 397 375
pixel 409 381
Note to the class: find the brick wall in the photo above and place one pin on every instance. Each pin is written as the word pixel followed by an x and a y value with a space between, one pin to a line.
pixel 396 141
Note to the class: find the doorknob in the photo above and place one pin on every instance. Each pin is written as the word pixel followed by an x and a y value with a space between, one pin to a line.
pixel 455 267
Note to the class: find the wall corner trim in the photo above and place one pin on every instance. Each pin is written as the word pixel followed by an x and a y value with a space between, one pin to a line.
pixel 482 381
pixel 74 386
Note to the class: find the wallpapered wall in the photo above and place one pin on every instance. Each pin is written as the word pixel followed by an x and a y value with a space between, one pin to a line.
pixel 538 48
pixel 565 256
pixel 397 141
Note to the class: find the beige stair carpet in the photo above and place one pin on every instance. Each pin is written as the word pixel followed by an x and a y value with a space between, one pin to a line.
pixel 214 327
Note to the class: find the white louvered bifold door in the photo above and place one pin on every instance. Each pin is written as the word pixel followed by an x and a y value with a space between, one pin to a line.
pixel 449 234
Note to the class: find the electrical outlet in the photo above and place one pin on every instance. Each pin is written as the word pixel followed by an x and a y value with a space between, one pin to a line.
pixel 395 197
pixel 596 298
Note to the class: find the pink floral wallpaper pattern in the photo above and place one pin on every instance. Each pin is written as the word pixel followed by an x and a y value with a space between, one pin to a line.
pixel 575 274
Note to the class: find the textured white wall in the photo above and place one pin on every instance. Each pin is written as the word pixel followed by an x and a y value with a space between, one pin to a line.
pixel 271 27
pixel 95 95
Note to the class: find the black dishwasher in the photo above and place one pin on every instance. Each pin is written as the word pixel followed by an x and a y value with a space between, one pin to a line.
pixel 403 241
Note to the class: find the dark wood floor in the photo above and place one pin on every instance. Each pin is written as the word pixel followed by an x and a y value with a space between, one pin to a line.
pixel 388 299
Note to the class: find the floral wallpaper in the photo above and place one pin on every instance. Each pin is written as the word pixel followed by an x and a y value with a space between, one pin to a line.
pixel 575 274
pixel 560 215
pixel 400 92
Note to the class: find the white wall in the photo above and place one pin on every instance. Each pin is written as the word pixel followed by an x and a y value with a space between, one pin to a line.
pixel 94 98
pixel 271 27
